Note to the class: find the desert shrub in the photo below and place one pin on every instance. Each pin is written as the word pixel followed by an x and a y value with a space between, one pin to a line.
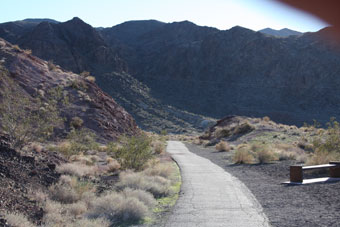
pixel 266 119
pixel 134 153
pixel 306 146
pixel 55 214
pixel 82 140
pixel 263 153
pixel 266 156
pixel 165 170
pixel 28 51
pixel 158 147
pixel 243 156
pixel 141 195
pixel 222 132
pixel 69 189
pixel 243 128
pixel 76 169
pixel 51 66
pixel 76 122
pixel 17 220
pixel 91 79
pixel 63 193
pixel 112 165
pixel 118 208
pixel 79 84
pixel 222 146
pixel 156 185
pixel 84 222
pixel 76 209
pixel 327 144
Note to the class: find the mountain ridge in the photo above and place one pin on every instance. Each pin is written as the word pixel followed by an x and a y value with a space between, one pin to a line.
pixel 207 71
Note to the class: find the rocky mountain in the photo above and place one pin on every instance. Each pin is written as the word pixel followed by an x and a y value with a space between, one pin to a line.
pixel 98 111
pixel 202 70
pixel 285 32
pixel 237 71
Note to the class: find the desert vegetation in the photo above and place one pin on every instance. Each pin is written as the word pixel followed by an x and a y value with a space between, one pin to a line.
pixel 127 181
pixel 261 141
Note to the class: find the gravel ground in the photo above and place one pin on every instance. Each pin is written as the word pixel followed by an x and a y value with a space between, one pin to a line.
pixel 303 205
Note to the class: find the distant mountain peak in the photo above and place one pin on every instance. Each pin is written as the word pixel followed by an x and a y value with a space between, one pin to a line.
pixel 285 32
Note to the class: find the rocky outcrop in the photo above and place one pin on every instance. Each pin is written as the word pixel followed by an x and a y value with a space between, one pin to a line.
pixel 87 101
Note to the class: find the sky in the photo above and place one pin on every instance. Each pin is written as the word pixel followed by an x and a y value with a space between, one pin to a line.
pixel 222 14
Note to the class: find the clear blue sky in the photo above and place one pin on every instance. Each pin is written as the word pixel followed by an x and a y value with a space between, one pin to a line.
pixel 223 14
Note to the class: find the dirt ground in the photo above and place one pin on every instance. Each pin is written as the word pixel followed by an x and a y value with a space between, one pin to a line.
pixel 303 205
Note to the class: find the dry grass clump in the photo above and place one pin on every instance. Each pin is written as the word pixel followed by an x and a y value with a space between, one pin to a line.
pixel 263 153
pixel 322 157
pixel 63 193
pixel 118 208
pixel 266 119
pixel 158 186
pixel 17 220
pixel 112 165
pixel 223 146
pixel 158 147
pixel 141 195
pixel 91 79
pixel 69 189
pixel 243 155
pixel 266 156
pixel 165 170
pixel 99 222
pixel 289 152
pixel 77 169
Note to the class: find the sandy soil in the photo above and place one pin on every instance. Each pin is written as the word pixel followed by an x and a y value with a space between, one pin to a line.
pixel 304 205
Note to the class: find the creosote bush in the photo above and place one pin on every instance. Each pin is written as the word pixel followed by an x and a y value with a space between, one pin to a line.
pixel 327 144
pixel 76 122
pixel 134 152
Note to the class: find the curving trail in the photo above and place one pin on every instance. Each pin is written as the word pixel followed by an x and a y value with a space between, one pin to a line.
pixel 210 196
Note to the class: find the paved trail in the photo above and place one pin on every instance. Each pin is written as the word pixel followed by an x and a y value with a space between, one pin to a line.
pixel 210 196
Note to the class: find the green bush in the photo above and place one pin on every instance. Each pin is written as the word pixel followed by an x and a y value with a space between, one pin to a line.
pixel 134 153
pixel 76 122
pixel 327 144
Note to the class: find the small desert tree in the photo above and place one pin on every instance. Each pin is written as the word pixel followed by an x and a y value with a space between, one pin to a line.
pixel 24 118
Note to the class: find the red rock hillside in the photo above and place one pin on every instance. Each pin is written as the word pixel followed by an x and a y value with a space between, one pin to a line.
pixel 87 101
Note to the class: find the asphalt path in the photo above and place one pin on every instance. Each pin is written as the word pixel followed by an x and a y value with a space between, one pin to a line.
pixel 210 196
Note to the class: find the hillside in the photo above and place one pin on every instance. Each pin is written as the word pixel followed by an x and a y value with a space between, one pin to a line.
pixel 200 70
pixel 33 76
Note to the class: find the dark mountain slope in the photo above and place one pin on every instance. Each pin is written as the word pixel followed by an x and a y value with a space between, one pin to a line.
pixel 199 69
pixel 239 71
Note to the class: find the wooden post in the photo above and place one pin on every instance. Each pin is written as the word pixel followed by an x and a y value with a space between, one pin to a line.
pixel 296 174
pixel 335 171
